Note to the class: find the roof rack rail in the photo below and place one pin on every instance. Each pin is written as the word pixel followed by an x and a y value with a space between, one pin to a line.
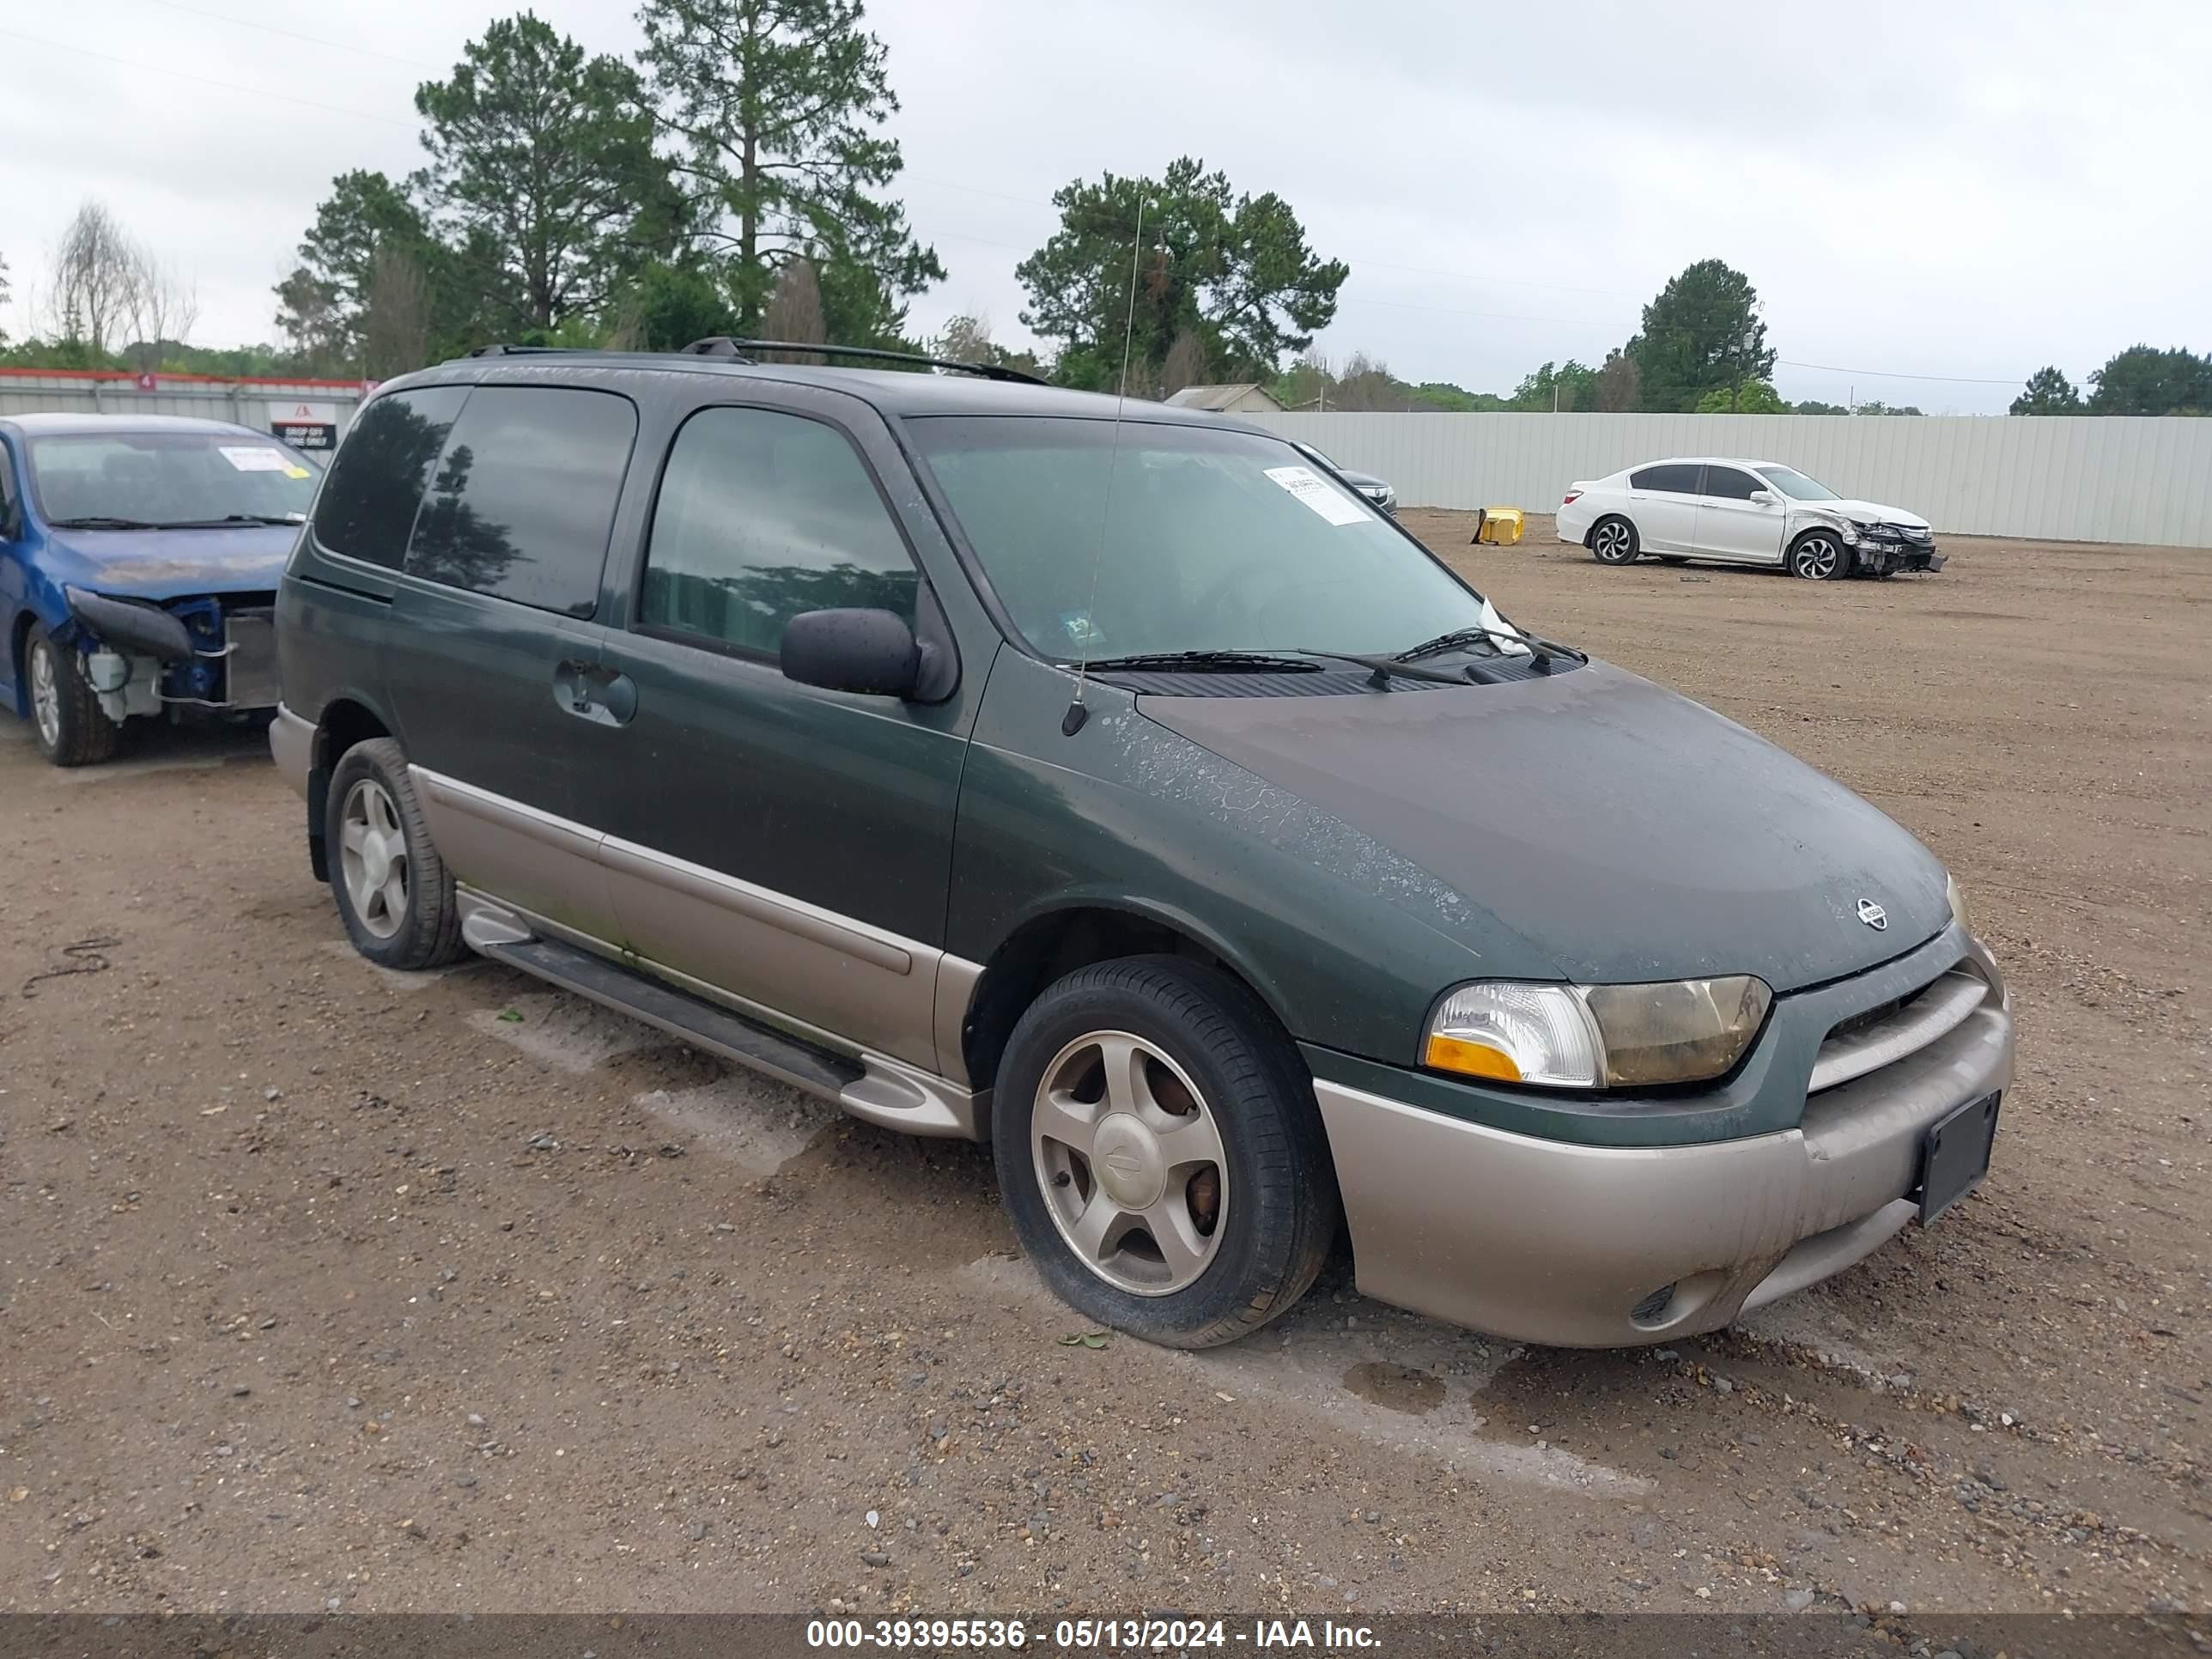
pixel 500 348
pixel 722 345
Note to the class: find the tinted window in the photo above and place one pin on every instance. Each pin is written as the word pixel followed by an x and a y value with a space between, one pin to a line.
pixel 368 501
pixel 7 495
pixel 523 497
pixel 762 516
pixel 1674 479
pixel 169 478
pixel 1729 484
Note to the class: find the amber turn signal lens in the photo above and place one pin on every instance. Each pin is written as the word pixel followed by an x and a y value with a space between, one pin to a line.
pixel 1470 1058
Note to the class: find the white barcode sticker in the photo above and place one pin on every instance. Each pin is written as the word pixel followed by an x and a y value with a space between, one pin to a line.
pixel 1317 493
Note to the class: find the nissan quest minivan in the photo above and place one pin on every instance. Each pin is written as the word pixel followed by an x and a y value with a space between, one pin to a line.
pixel 1111 782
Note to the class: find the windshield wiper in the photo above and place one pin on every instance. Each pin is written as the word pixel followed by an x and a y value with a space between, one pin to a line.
pixel 1385 668
pixel 1205 662
pixel 228 519
pixel 101 521
pixel 1542 649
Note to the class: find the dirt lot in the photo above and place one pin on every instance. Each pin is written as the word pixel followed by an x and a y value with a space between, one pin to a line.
pixel 327 1287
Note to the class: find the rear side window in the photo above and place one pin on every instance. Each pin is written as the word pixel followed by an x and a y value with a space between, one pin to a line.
pixel 7 494
pixel 1673 479
pixel 1728 483
pixel 762 516
pixel 367 504
pixel 523 499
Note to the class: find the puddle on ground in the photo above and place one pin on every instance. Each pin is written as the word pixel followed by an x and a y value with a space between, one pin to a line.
pixel 1395 1388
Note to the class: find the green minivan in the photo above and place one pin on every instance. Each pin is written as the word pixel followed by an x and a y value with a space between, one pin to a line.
pixel 1111 782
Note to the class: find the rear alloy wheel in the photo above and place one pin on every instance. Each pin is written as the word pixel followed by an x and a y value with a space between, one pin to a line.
pixel 1819 556
pixel 394 892
pixel 1613 541
pixel 66 718
pixel 1160 1153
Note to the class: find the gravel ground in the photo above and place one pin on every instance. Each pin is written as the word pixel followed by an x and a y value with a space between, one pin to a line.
pixel 327 1287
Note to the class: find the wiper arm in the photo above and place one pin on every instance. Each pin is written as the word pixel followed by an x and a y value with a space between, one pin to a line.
pixel 1205 662
pixel 101 521
pixel 1385 668
pixel 1542 649
pixel 286 520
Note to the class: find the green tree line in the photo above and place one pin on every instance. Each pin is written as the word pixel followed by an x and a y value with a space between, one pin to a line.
pixel 736 176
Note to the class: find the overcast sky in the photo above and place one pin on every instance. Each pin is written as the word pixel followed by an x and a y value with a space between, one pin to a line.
pixel 1926 189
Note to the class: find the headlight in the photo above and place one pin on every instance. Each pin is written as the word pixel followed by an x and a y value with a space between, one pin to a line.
pixel 1957 896
pixel 1588 1036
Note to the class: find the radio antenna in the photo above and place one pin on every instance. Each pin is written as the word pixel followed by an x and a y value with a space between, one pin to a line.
pixel 1071 722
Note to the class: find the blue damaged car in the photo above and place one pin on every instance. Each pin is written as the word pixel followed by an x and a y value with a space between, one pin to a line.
pixel 139 558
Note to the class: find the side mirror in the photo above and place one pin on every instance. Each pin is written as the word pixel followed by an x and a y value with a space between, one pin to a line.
pixel 1763 498
pixel 870 652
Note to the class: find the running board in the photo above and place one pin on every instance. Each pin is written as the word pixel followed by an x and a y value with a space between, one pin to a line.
pixel 875 1088
pixel 683 1015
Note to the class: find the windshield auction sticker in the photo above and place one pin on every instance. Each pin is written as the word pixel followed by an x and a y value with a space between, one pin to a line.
pixel 261 459
pixel 1313 490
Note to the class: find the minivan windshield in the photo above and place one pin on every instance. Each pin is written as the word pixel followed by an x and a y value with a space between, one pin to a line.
pixel 166 480
pixel 1796 485
pixel 1213 540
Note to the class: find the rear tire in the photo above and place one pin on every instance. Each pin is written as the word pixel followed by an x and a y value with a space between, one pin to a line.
pixel 394 892
pixel 1210 1124
pixel 66 718
pixel 1613 541
pixel 1820 556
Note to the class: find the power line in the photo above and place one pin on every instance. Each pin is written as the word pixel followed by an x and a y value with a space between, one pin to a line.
pixel 203 80
pixel 294 34
pixel 1897 375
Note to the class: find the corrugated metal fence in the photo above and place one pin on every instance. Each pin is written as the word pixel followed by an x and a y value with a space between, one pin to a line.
pixel 2105 478
pixel 257 404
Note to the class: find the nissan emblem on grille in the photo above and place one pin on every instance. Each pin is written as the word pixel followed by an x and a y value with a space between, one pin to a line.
pixel 1873 915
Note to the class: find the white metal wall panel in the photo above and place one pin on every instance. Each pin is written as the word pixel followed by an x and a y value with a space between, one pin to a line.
pixel 246 405
pixel 2105 478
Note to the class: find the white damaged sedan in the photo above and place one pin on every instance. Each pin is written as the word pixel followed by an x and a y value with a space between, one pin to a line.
pixel 1742 513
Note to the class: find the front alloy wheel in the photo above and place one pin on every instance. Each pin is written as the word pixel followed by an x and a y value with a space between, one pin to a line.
pixel 66 718
pixel 1160 1151
pixel 1129 1160
pixel 1818 557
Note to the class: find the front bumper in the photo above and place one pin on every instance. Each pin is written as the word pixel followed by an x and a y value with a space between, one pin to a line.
pixel 1549 1242
pixel 1879 558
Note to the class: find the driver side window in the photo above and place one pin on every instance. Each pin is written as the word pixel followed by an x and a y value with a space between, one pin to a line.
pixel 11 511
pixel 763 515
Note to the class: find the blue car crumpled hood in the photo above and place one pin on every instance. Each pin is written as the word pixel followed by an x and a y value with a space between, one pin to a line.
pixel 1625 831
pixel 170 564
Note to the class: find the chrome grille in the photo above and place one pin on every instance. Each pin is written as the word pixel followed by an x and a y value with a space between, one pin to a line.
pixel 1883 1036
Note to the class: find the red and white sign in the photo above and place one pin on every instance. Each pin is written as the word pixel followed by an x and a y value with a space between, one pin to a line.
pixel 146 382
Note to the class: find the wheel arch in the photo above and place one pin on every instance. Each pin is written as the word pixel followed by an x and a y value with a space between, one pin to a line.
pixel 346 720
pixel 1079 933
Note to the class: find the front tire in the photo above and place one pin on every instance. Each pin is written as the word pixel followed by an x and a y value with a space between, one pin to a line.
pixel 394 892
pixel 1819 555
pixel 1613 541
pixel 1160 1153
pixel 66 718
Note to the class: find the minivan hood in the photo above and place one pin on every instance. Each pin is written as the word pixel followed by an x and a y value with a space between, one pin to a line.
pixel 1628 833
pixel 170 564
